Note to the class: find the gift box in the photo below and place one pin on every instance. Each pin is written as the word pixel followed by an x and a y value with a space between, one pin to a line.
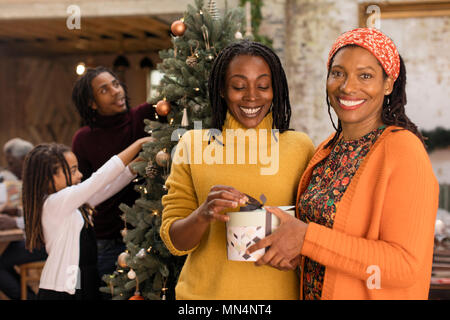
pixel 247 227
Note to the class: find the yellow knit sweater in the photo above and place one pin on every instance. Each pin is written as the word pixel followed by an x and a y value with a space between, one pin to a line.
pixel 207 274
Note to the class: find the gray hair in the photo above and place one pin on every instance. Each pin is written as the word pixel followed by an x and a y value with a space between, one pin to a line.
pixel 17 147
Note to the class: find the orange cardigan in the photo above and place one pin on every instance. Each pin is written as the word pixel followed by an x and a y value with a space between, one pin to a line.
pixel 381 244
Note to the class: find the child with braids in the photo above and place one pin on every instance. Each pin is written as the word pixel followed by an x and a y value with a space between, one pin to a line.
pixel 367 201
pixel 57 209
pixel 249 94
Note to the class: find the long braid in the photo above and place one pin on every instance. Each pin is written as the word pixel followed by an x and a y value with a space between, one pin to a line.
pixel 338 128
pixel 393 112
pixel 281 108
pixel 40 164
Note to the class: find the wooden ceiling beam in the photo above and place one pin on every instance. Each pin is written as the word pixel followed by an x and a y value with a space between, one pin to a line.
pixel 91 26
pixel 85 46
pixel 104 34
pixel 147 25
pixel 116 25
pixel 23 32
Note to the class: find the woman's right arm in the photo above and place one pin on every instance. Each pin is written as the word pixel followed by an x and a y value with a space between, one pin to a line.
pixel 186 233
pixel 184 220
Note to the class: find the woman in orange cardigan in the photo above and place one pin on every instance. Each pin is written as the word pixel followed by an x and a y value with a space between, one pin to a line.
pixel 368 199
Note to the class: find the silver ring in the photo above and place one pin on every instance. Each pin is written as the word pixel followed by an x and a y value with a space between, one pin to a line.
pixel 210 212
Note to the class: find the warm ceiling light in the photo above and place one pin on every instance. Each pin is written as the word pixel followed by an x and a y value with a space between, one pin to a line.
pixel 81 68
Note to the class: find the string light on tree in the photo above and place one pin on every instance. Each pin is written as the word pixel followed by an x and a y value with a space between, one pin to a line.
pixel 163 290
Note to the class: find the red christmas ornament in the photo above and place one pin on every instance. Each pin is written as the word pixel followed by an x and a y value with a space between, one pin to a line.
pixel 137 296
pixel 163 108
pixel 178 28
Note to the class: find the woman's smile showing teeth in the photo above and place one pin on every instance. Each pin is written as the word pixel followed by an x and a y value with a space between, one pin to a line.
pixel 350 104
pixel 250 112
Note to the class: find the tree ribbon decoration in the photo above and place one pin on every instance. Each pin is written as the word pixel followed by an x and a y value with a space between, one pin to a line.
pixel 253 204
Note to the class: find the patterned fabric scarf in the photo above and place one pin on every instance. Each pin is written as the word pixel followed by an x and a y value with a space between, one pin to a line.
pixel 376 42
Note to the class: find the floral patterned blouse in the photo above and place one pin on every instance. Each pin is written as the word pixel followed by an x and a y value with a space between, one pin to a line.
pixel 329 180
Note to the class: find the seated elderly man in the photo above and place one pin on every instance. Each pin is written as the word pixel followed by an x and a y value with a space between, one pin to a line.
pixel 11 217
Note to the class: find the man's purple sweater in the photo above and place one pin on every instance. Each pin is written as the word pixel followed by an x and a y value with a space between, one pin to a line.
pixel 94 146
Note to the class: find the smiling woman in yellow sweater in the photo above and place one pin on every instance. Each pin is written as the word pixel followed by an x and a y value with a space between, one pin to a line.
pixel 368 199
pixel 210 176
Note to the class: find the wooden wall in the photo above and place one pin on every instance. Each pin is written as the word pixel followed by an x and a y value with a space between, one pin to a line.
pixel 35 95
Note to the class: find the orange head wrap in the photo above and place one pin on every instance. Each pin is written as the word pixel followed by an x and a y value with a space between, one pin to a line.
pixel 376 42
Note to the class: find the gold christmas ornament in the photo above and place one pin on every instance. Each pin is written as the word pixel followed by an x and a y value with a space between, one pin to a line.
pixel 121 260
pixel 162 158
pixel 163 108
pixel 178 28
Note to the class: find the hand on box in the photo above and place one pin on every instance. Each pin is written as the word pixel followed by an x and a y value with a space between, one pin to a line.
pixel 220 198
pixel 285 243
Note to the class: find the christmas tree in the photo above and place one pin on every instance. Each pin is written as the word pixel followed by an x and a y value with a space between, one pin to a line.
pixel 146 270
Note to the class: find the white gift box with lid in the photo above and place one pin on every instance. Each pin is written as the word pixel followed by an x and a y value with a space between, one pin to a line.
pixel 246 228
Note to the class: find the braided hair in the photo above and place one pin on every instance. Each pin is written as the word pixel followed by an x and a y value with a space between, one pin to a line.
pixel 393 110
pixel 83 95
pixel 40 165
pixel 281 107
